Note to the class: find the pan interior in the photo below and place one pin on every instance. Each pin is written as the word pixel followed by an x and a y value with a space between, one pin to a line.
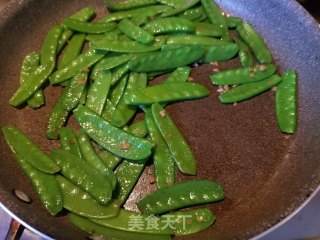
pixel 266 174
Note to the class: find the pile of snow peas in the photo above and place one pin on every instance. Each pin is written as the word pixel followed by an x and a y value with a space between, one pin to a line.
pixel 104 69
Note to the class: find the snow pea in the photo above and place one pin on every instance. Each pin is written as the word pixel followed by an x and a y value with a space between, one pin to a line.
pixel 37 79
pixel 135 32
pixel 200 219
pixel 286 108
pixel 255 42
pixel 81 62
pixel 109 62
pixel 207 29
pixel 118 73
pixel 194 39
pixel 85 14
pixel 181 152
pixel 89 155
pixel 72 50
pixel 82 174
pixel 173 3
pixel 29 65
pixel 110 233
pixel 192 14
pixel 148 11
pixel 109 159
pixel 168 59
pixel 139 129
pixel 166 93
pixel 245 55
pixel 98 92
pixel 179 195
pixel 112 138
pixel 128 46
pixel 248 90
pixel 45 185
pixel 232 22
pixel 73 91
pixel 57 119
pixel 87 27
pixel 117 91
pixel 79 202
pixel 243 75
pixel 19 143
pixel 128 4
pixel 215 16
pixel 124 112
pixel 188 4
pixel 68 141
pixel 164 166
pixel 180 74
pixel 108 111
pixel 169 25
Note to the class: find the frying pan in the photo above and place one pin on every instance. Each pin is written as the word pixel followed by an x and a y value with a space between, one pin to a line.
pixel 266 174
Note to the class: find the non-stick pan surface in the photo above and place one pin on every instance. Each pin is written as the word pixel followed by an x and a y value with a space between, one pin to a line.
pixel 266 174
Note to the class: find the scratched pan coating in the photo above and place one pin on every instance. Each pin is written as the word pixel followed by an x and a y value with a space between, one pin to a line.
pixel 266 175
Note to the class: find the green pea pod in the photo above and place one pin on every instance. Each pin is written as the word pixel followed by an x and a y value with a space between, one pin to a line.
pixel 248 90
pixel 188 4
pixel 164 166
pixel 286 108
pixel 68 141
pixel 98 92
pixel 108 111
pixel 80 63
pixel 183 194
pixel 169 59
pixel 149 11
pixel 118 73
pixel 110 62
pixel 243 75
pixel 255 42
pixel 124 112
pixel 38 78
pixel 128 4
pixel 29 65
pixel 207 29
pixel 169 25
pixel 245 55
pixel 20 144
pixel 89 154
pixel 178 146
pixel 174 3
pixel 82 174
pixel 172 92
pixel 135 32
pixel 110 233
pixel 117 91
pixel 232 22
pixel 83 97
pixel 79 202
pixel 181 74
pixel 220 53
pixel 109 159
pixel 45 185
pixel 85 14
pixel 192 14
pixel 112 138
pixel 139 129
pixel 73 92
pixel 128 46
pixel 57 119
pixel 72 50
pixel 194 39
pixel 87 27
pixel 215 16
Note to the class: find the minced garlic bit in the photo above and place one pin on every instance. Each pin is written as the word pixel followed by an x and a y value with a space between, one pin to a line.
pixel 275 88
pixel 262 67
pixel 215 70
pixel 226 87
pixel 190 79
pixel 86 70
pixel 252 74
pixel 163 113
pixel 215 63
pixel 235 104
pixel 124 145
pixel 220 89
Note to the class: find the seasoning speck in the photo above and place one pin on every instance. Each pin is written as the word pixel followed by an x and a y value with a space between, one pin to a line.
pixel 275 88
pixel 124 145
pixel 215 70
pixel 163 113
pixel 190 79
pixel 215 63
pixel 262 67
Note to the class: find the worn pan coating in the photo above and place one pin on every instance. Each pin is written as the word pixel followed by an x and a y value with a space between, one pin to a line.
pixel 266 174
